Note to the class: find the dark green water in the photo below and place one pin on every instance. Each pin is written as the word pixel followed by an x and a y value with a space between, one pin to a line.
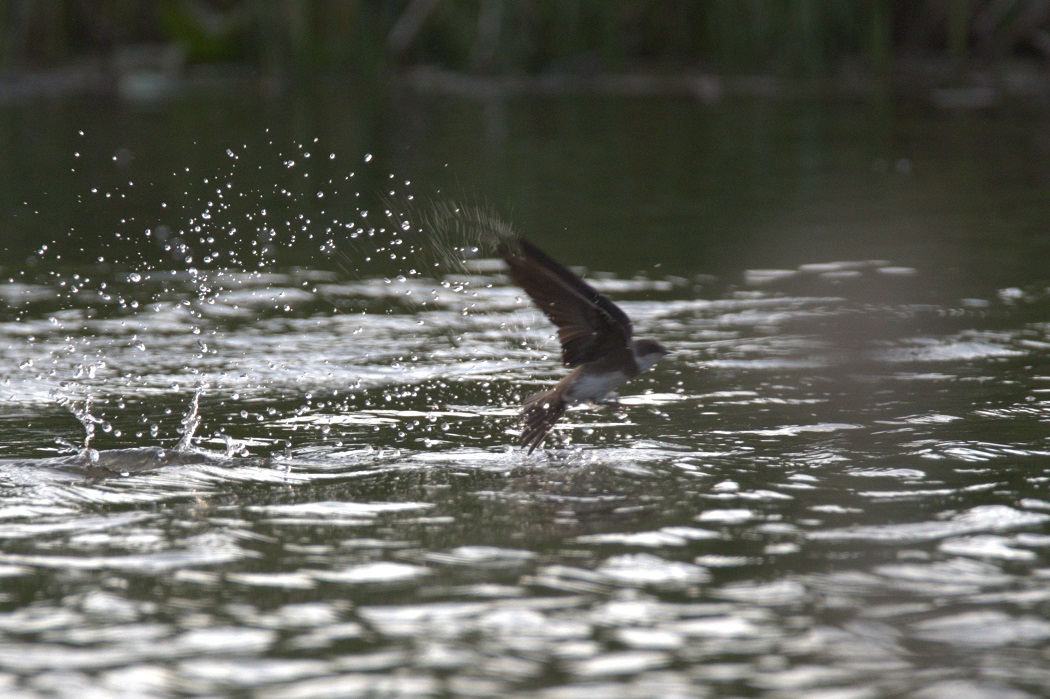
pixel 835 487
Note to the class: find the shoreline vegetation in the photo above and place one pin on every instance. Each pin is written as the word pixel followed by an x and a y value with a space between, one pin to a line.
pixel 955 53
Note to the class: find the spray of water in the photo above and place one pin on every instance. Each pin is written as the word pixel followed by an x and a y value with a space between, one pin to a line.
pixel 457 233
pixel 219 240
pixel 82 412
pixel 191 420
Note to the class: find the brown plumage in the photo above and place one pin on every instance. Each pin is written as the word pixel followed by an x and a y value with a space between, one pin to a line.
pixel 595 337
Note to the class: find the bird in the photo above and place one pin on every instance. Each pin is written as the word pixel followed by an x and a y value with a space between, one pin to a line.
pixel 595 336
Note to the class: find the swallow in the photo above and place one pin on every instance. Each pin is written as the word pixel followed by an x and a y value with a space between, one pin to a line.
pixel 595 336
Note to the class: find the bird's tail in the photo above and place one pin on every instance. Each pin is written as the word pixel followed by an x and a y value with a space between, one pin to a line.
pixel 540 412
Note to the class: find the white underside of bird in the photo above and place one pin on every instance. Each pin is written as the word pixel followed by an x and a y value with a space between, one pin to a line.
pixel 594 387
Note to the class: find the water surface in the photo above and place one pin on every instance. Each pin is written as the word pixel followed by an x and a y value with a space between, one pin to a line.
pixel 836 485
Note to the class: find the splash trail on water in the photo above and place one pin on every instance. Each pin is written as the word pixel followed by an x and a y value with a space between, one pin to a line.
pixel 191 420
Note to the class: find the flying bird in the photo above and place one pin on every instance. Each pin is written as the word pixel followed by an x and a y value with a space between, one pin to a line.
pixel 595 337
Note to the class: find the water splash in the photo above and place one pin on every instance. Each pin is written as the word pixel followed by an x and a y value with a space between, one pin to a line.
pixel 220 255
pixel 233 447
pixel 458 232
pixel 191 420
pixel 82 413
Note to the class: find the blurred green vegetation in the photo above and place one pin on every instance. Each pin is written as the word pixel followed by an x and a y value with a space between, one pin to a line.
pixel 810 38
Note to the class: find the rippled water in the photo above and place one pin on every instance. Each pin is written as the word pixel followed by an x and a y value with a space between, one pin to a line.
pixel 253 442
pixel 813 496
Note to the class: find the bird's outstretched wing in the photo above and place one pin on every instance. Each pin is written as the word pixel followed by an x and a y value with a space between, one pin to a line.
pixel 589 324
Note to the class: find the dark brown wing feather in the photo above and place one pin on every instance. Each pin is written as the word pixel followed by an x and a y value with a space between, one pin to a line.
pixel 589 324
pixel 540 412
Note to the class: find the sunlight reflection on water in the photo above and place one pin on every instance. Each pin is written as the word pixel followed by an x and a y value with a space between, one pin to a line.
pixel 785 506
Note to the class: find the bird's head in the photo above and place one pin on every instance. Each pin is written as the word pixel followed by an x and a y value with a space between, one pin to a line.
pixel 647 352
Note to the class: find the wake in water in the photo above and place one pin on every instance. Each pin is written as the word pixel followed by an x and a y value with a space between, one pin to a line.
pixel 137 459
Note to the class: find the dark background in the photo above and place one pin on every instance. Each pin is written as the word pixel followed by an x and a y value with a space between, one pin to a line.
pixel 747 135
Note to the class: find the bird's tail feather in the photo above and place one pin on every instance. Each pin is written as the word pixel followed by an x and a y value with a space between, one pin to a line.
pixel 540 412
